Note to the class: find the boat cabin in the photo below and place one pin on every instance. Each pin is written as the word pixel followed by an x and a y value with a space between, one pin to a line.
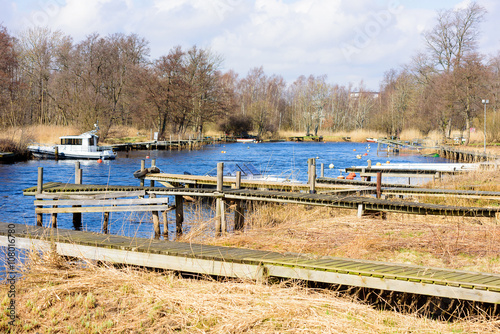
pixel 86 142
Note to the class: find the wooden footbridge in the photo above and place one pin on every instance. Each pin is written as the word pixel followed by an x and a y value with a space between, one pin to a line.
pixel 255 264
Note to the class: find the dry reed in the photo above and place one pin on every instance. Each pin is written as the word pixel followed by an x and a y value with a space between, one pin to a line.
pixel 55 296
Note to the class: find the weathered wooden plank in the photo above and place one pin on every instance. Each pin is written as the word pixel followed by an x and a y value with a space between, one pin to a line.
pixel 103 202
pixel 131 208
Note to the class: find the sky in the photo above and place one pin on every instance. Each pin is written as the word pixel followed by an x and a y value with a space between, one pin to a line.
pixel 349 41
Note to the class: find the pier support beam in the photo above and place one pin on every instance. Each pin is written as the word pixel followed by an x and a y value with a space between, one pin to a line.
pixel 143 167
pixel 239 218
pixel 379 184
pixel 179 214
pixel 165 225
pixel 220 224
pixel 77 216
pixel 156 220
pixel 39 190
pixel 105 223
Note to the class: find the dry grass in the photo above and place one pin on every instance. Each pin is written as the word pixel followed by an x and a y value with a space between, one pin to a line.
pixel 411 134
pixel 448 242
pixel 47 134
pixel 58 297
pixel 356 136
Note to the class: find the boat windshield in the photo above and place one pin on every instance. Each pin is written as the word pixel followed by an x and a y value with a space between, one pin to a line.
pixel 230 169
pixel 71 141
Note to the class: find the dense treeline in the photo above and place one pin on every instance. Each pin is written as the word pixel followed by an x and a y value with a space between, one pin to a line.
pixel 47 78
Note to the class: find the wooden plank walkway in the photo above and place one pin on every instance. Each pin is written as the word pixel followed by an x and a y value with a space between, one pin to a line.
pixel 329 180
pixel 492 195
pixel 255 264
pixel 330 200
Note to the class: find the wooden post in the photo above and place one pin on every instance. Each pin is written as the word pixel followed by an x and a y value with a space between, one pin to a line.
pixel 165 225
pixel 156 221
pixel 322 170
pixel 153 164
pixel 54 218
pixel 143 167
pixel 219 206
pixel 312 176
pixel 239 218
pixel 238 180
pixel 39 190
pixel 105 222
pixel 56 153
pixel 179 214
pixel 77 216
pixel 308 171
pixel 379 184
pixel 360 210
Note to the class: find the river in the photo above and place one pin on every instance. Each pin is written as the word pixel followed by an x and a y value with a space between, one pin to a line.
pixel 286 159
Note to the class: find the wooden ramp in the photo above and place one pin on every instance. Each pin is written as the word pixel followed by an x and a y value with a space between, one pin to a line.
pixel 255 264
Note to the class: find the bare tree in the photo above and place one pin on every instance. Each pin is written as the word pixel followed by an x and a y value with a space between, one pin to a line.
pixel 8 79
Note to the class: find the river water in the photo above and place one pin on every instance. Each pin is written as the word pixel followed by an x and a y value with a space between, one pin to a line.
pixel 285 159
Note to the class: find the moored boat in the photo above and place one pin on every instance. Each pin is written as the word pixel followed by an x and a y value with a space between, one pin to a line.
pixel 84 146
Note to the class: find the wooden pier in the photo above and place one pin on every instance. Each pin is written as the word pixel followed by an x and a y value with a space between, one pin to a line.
pixel 460 155
pixel 172 144
pixel 255 264
pixel 447 152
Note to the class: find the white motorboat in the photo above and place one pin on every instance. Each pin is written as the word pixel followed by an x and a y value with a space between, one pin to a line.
pixel 84 146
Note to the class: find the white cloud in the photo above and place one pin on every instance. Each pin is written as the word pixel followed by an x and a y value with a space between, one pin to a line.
pixel 287 37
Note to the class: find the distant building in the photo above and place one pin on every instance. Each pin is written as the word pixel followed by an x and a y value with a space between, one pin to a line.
pixel 357 95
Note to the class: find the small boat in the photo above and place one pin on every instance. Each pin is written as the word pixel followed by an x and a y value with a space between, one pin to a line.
pixel 249 139
pixel 371 140
pixel 83 146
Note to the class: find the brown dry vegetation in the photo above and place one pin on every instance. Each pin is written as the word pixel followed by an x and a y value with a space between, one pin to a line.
pixel 58 297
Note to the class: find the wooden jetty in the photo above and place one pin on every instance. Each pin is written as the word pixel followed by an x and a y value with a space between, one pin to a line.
pixel 451 153
pixel 303 138
pixel 197 181
pixel 171 144
pixel 427 192
pixel 256 264
pixel 328 200
pixel 330 180
pixel 460 155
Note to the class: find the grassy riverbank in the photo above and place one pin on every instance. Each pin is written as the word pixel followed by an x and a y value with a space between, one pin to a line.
pixel 50 134
pixel 57 296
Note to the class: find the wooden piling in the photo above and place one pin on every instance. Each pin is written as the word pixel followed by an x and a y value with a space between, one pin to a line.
pixel 322 170
pixel 156 221
pixel 379 184
pixel 179 214
pixel 143 167
pixel 105 223
pixel 56 153
pixel 218 202
pixel 39 190
pixel 165 225
pixel 153 164
pixel 239 218
pixel 77 216
pixel 312 176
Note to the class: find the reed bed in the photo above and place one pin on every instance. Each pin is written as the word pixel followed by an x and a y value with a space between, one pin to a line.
pixel 56 296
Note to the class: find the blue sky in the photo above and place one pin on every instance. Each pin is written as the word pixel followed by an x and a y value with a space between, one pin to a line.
pixel 348 40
